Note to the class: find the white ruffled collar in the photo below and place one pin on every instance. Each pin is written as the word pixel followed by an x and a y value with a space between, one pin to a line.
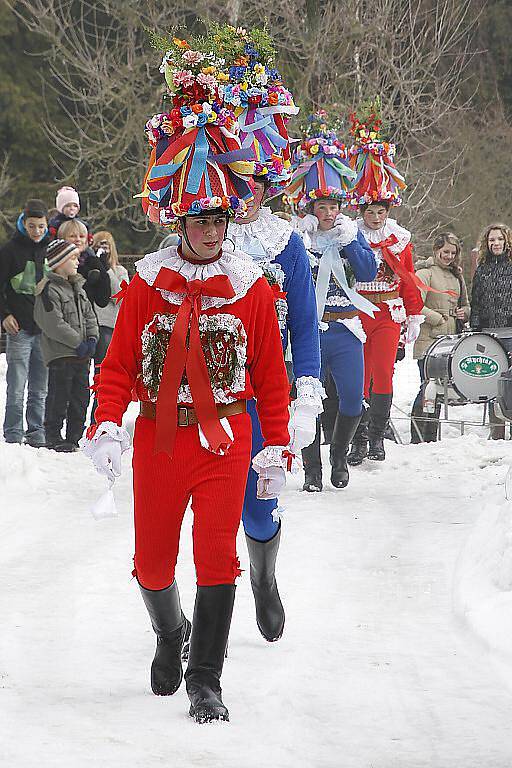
pixel 235 264
pixel 272 232
pixel 391 227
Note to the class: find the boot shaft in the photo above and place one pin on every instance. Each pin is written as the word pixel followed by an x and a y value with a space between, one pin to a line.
pixel 210 631
pixel 164 608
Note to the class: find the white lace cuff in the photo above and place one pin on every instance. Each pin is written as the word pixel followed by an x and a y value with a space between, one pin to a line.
pixel 310 393
pixel 345 230
pixel 114 431
pixel 276 456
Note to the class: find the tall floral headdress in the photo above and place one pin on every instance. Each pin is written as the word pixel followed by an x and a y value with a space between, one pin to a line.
pixel 197 162
pixel 372 158
pixel 260 102
pixel 320 161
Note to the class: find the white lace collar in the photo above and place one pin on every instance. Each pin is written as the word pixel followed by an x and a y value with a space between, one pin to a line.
pixel 272 232
pixel 391 227
pixel 238 266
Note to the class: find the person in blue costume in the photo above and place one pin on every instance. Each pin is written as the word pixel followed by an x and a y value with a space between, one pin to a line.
pixel 280 252
pixel 339 255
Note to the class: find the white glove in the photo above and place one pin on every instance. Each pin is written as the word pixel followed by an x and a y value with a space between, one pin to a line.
pixel 271 481
pixel 307 223
pixel 345 229
pixel 413 328
pixel 302 427
pixel 106 457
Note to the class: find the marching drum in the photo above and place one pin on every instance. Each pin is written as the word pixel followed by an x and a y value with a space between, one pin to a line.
pixel 468 366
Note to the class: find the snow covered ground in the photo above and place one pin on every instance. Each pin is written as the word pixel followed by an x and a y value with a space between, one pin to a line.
pixel 396 652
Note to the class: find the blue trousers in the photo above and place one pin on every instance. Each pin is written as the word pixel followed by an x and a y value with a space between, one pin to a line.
pixel 257 513
pixel 342 355
pixel 25 370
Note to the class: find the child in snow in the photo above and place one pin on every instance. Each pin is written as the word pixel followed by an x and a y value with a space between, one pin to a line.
pixel 67 203
pixel 68 341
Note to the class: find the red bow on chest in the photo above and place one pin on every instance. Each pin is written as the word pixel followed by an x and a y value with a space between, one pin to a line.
pixel 181 357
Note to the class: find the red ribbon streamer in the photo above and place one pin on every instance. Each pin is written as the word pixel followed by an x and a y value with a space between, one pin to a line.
pixel 396 265
pixel 179 358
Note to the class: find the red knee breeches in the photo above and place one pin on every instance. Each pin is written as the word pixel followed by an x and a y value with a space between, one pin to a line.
pixel 163 487
pixel 382 337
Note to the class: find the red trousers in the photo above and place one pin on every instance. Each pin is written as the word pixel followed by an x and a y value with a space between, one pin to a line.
pixel 162 489
pixel 380 348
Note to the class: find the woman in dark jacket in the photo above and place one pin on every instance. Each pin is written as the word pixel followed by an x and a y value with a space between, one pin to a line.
pixel 97 280
pixel 491 300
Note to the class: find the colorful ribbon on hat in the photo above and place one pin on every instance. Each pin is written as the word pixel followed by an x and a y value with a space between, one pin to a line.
pixel 398 268
pixel 181 358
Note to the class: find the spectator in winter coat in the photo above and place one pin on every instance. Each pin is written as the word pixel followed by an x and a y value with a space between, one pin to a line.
pixel 97 281
pixel 22 265
pixel 444 314
pixel 67 204
pixel 105 247
pixel 69 337
pixel 491 299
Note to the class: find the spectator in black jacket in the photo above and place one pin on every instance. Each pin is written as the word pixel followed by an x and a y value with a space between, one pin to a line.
pixel 491 299
pixel 97 280
pixel 22 265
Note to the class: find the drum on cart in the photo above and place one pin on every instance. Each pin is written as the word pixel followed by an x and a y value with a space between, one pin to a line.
pixel 466 368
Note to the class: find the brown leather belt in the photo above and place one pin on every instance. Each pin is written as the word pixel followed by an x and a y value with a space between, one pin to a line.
pixel 187 416
pixel 379 297
pixel 331 317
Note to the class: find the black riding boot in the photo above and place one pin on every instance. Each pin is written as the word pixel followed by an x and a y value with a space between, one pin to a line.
pixel 210 631
pixel 313 464
pixel 269 608
pixel 359 450
pixel 171 629
pixel 344 431
pixel 380 407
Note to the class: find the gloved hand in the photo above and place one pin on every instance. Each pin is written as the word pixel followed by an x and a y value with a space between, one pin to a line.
pixel 91 346
pixel 82 350
pixel 106 457
pixel 93 276
pixel 271 481
pixel 308 223
pixel 413 328
pixel 345 229
pixel 302 427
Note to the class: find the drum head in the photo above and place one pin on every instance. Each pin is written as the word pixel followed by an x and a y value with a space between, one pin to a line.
pixel 477 362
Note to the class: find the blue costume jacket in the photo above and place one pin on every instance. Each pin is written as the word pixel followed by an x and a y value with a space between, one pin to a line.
pixel 280 252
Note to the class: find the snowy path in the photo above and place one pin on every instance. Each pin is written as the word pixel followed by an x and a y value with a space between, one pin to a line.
pixel 375 670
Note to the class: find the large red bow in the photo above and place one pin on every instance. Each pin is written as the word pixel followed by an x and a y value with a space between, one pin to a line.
pixel 400 269
pixel 179 358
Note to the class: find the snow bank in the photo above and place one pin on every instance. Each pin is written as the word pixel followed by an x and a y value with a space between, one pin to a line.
pixel 483 577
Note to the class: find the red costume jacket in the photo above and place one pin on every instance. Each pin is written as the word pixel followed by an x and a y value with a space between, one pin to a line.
pixel 240 338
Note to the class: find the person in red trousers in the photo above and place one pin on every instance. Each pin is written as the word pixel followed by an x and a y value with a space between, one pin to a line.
pixel 394 290
pixel 197 336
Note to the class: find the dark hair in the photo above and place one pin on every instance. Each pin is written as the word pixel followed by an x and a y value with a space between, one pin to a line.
pixel 483 245
pixel 262 179
pixel 384 203
pixel 35 208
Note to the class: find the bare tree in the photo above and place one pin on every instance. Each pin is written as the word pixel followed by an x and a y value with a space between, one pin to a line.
pixel 414 54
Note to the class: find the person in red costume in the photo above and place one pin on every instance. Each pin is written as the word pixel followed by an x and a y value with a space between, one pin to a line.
pixel 197 336
pixel 395 289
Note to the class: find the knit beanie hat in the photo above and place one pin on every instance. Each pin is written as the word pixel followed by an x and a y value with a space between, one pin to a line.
pixel 35 208
pixel 58 252
pixel 66 195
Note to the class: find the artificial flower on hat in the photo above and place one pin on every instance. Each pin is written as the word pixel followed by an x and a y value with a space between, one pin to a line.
pixel 320 162
pixel 260 101
pixel 197 162
pixel 371 156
